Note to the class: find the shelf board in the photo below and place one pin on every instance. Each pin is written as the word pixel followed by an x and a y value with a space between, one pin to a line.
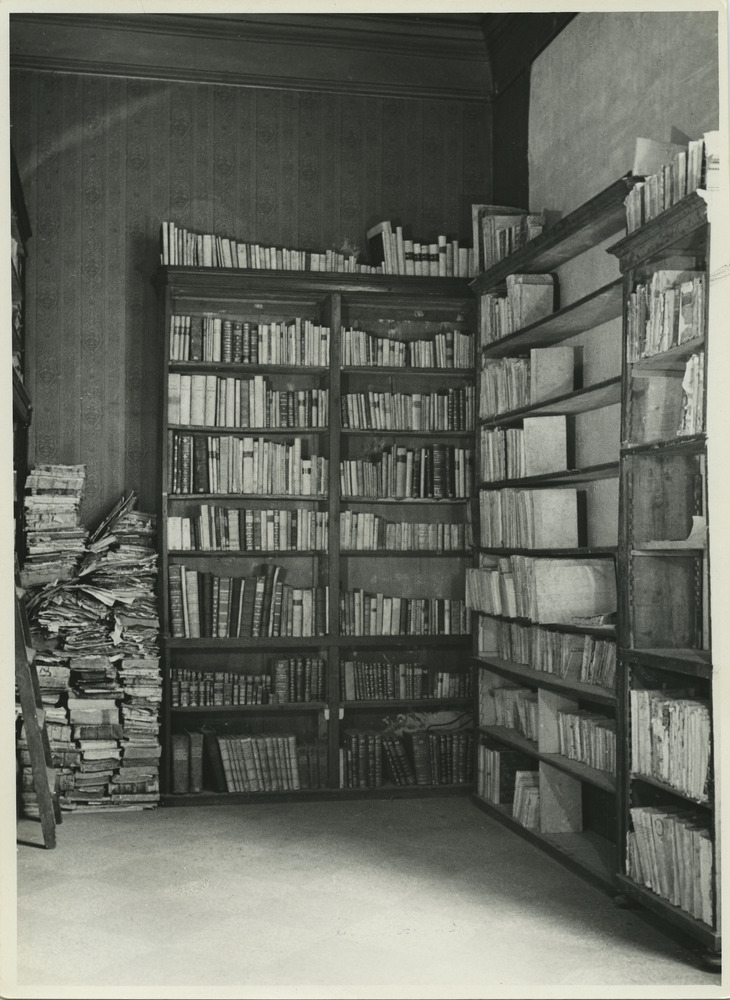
pixel 590 775
pixel 240 643
pixel 675 229
pixel 672 361
pixel 260 284
pixel 577 232
pixel 657 783
pixel 669 550
pixel 566 477
pixel 690 444
pixel 306 706
pixel 598 307
pixel 551 682
pixel 513 738
pixel 246 431
pixel 264 497
pixel 692 662
pixel 372 432
pixel 592 397
pixel 587 854
pixel 207 798
pixel 399 641
pixel 244 553
pixel 587 552
pixel 409 704
pixel 407 553
pixel 410 501
pixel 602 631
pixel 391 370
pixel 663 908
pixel 239 368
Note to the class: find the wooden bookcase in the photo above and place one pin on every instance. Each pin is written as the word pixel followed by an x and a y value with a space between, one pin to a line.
pixel 398 308
pixel 577 816
pixel 666 664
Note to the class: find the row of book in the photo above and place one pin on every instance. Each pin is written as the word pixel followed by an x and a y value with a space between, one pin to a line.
pixel 446 410
pixel 682 173
pixel 206 605
pixel 434 472
pixel 497 769
pixel 507 384
pixel 499 230
pixel 180 247
pixel 215 401
pixel 411 757
pixel 588 738
pixel 365 613
pixel 667 311
pixel 445 349
pixel 55 540
pixel 297 342
pixel 200 463
pixel 216 528
pixel 542 590
pixel 536 448
pixel 364 531
pixel 529 298
pixel 529 519
pixel 395 253
pixel 569 655
pixel 377 681
pixel 671 740
pixel 670 851
pixel 289 680
pixel 511 708
pixel 693 406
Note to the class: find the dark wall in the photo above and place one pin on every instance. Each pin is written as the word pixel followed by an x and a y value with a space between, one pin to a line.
pixel 105 159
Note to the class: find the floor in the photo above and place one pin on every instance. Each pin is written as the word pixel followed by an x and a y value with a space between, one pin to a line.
pixel 378 898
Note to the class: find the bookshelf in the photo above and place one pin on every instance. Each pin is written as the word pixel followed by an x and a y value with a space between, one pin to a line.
pixel 548 431
pixel 666 670
pixel 378 533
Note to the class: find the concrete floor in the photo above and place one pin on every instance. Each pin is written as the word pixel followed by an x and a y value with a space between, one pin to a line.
pixel 422 898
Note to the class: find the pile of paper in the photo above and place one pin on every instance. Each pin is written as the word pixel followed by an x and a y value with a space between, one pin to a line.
pixel 55 540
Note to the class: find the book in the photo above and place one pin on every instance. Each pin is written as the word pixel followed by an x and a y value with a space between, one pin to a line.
pixel 195 751
pixel 180 745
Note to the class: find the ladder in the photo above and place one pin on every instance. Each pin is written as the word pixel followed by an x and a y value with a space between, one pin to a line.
pixel 31 705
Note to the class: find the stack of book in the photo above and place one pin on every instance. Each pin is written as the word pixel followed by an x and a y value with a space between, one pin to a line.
pixel 183 248
pixel 537 448
pixel 395 253
pixel 670 851
pixel 693 390
pixel 206 605
pixel 507 384
pixel 530 519
pixel 54 537
pixel 446 349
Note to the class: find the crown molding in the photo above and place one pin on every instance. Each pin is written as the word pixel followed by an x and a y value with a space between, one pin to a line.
pixel 387 55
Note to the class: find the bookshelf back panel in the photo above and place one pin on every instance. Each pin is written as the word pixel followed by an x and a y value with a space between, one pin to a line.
pixel 667 491
pixel 405 577
pixel 665 603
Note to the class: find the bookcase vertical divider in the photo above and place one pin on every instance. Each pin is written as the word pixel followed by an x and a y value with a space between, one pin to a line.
pixel 333 539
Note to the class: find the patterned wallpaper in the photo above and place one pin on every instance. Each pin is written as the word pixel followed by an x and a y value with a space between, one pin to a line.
pixel 104 160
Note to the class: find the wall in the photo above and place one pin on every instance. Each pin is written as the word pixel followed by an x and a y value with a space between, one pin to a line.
pixel 104 159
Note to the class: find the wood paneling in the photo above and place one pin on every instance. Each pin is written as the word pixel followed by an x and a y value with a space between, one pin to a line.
pixel 105 159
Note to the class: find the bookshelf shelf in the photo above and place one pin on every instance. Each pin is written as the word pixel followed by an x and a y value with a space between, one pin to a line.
pixel 585 552
pixel 577 232
pixel 593 397
pixel 512 738
pixel 601 631
pixel 665 660
pixel 386 791
pixel 601 779
pixel 248 303
pixel 568 477
pixel 599 306
pixel 551 682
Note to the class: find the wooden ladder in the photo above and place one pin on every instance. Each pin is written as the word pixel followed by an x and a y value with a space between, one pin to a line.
pixel 31 704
